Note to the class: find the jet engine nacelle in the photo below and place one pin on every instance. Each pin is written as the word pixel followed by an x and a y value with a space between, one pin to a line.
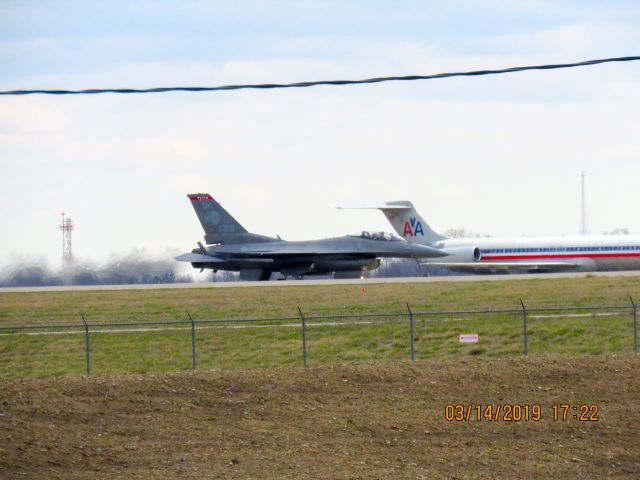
pixel 461 255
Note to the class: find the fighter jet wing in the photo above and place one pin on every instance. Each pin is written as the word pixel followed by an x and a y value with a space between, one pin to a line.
pixel 426 252
pixel 480 267
pixel 333 246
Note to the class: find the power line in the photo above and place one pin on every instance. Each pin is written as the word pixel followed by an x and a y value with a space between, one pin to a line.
pixel 263 86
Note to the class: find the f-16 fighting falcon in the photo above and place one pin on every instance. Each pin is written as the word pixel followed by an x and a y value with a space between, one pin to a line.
pixel 231 247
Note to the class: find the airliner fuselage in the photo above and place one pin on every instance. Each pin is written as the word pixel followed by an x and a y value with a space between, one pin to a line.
pixel 579 253
pixel 516 254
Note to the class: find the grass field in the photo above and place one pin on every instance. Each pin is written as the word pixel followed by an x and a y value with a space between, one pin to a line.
pixel 155 351
pixel 366 421
pixel 148 305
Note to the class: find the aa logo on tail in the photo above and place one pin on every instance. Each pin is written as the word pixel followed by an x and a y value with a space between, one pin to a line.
pixel 412 228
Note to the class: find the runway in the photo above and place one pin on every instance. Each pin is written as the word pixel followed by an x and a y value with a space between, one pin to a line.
pixel 304 283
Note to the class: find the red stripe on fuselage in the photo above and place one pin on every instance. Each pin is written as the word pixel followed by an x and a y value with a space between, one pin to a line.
pixel 541 257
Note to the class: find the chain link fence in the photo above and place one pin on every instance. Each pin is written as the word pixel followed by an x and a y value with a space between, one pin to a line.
pixel 305 338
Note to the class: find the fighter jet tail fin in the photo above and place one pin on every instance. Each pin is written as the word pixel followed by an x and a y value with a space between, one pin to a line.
pixel 219 226
pixel 406 221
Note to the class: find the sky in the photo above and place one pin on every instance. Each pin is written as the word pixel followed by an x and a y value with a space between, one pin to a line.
pixel 498 155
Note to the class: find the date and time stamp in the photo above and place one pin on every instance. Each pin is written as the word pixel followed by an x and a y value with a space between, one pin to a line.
pixel 533 412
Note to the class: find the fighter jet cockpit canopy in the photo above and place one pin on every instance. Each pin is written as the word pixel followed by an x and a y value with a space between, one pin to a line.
pixel 384 236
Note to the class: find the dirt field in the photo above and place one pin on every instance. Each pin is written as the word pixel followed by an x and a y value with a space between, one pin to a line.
pixel 382 420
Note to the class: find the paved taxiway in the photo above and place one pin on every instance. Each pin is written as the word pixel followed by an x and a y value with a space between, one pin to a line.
pixel 284 283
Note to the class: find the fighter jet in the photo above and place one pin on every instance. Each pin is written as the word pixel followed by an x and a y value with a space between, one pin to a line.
pixel 231 247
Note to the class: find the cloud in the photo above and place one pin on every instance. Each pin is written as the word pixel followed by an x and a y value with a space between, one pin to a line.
pixel 499 155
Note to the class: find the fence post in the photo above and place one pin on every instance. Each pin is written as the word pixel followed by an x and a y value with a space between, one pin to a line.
pixel 525 337
pixel 87 348
pixel 304 337
pixel 412 353
pixel 193 341
pixel 635 325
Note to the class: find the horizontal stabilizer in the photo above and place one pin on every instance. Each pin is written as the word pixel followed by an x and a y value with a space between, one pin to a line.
pixel 374 206
pixel 405 220
pixel 198 258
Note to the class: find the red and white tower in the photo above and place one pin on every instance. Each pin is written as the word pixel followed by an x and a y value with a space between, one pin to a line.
pixel 66 226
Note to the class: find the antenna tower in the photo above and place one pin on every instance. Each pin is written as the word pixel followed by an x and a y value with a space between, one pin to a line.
pixel 66 226
pixel 583 223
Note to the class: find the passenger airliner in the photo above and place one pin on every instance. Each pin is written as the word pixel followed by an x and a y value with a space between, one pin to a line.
pixel 502 255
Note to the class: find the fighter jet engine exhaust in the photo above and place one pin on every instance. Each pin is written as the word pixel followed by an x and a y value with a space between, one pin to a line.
pixel 134 268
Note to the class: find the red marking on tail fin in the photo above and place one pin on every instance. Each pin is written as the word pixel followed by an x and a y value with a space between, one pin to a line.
pixel 198 197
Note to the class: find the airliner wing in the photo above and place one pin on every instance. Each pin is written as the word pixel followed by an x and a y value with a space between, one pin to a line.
pixel 480 267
